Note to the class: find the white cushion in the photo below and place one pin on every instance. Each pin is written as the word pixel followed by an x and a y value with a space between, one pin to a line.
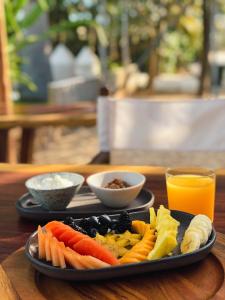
pixel 155 125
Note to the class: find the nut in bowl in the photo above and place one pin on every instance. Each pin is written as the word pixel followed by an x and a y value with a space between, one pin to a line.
pixel 117 188
pixel 54 191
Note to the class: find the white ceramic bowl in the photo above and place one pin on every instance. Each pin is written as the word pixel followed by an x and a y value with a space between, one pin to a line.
pixel 54 198
pixel 116 197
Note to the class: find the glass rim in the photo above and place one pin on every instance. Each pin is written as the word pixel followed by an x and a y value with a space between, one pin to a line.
pixel 201 171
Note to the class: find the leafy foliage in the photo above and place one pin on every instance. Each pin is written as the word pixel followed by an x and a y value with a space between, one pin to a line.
pixel 172 28
pixel 21 15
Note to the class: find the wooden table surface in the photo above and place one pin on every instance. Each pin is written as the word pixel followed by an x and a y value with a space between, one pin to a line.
pixel 14 230
pixel 79 114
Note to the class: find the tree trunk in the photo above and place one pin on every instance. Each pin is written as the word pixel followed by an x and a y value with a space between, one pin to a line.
pixel 153 68
pixel 102 49
pixel 5 85
pixel 7 145
pixel 125 44
pixel 204 84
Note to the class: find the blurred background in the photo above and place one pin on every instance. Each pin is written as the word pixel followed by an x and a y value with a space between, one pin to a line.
pixel 63 54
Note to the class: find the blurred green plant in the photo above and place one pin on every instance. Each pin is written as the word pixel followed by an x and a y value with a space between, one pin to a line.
pixel 182 46
pixel 20 16
pixel 170 30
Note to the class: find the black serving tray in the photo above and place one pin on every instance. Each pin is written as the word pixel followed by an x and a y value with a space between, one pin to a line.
pixel 84 204
pixel 170 262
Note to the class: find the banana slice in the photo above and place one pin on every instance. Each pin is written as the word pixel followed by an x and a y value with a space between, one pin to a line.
pixel 191 242
pixel 202 231
pixel 202 223
pixel 205 218
pixel 197 233
pixel 202 220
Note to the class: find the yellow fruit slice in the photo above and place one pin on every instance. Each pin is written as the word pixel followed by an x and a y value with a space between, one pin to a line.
pixel 162 211
pixel 167 229
pixel 139 226
pixel 140 251
pixel 118 244
pixel 163 246
pixel 197 234
pixel 191 242
pixel 152 217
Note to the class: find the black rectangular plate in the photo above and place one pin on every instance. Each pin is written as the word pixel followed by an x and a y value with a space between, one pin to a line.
pixel 143 201
pixel 175 261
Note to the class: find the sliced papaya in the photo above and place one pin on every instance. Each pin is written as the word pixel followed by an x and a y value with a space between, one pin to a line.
pixel 76 238
pixel 91 262
pixel 51 225
pixel 56 231
pixel 54 252
pixel 61 257
pixel 72 259
pixel 41 243
pixel 66 235
pixel 62 245
pixel 88 246
pixel 47 247
pixel 81 243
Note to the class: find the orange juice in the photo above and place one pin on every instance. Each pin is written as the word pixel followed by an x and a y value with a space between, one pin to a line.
pixel 191 193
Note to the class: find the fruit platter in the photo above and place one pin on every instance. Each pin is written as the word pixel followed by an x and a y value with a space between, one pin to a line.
pixel 111 246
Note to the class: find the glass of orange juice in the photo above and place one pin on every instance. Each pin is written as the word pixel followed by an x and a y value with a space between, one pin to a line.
pixel 191 190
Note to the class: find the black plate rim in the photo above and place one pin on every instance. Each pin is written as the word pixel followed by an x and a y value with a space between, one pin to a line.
pixel 176 258
pixel 35 215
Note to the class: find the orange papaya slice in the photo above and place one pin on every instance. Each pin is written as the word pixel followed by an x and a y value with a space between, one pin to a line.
pixel 41 243
pixel 91 247
pixel 54 252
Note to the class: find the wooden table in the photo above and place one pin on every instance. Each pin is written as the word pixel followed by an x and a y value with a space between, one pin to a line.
pixel 31 117
pixel 14 231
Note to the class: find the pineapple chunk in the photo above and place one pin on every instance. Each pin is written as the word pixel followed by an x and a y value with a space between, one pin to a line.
pixel 118 244
pixel 123 242
pixel 110 239
pixel 162 211
pixel 152 217
pixel 122 251
pixel 167 229
pixel 100 238
pixel 163 246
